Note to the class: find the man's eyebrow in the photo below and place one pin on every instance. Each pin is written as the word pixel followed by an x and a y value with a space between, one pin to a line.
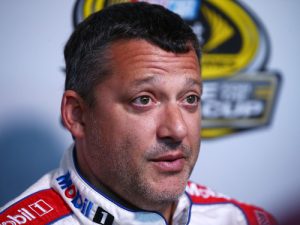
pixel 189 82
pixel 192 82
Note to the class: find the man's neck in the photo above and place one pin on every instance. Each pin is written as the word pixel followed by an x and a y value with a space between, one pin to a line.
pixel 167 213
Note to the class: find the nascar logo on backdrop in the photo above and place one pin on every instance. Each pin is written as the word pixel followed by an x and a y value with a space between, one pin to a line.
pixel 239 92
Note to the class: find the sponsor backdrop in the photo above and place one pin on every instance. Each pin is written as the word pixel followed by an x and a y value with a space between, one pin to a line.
pixel 250 131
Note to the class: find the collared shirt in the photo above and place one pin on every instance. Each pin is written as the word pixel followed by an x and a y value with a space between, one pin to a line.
pixel 63 196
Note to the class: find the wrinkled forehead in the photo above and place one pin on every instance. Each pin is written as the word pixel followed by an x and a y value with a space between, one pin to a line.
pixel 140 54
pixel 138 63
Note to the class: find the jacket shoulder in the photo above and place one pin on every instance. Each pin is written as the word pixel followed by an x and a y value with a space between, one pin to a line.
pixel 41 207
pixel 202 195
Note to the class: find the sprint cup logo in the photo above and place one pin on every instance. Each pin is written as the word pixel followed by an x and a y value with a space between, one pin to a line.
pixel 239 91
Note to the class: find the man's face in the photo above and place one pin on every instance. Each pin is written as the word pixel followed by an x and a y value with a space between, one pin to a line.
pixel 143 134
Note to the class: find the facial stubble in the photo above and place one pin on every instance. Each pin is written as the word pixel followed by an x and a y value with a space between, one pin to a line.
pixel 130 182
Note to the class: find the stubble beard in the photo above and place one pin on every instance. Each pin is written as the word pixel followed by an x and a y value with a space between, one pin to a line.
pixel 131 183
pixel 139 190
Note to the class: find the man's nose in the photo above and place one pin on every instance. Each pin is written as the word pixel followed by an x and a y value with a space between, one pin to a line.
pixel 172 124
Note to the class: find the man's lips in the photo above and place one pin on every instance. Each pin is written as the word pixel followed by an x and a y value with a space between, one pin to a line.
pixel 169 162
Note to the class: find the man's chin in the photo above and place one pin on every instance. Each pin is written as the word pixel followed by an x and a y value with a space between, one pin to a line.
pixel 169 189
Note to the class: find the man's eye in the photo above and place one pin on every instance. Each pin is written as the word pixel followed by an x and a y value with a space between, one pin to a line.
pixel 192 99
pixel 142 100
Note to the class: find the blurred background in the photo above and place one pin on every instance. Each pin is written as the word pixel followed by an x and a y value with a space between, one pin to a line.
pixel 250 149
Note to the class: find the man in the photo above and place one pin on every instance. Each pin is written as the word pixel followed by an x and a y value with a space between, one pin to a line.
pixel 132 104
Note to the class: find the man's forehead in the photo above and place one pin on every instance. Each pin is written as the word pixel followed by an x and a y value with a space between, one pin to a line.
pixel 142 54
pixel 143 48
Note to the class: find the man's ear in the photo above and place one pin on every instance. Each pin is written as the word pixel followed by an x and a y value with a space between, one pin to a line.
pixel 72 110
